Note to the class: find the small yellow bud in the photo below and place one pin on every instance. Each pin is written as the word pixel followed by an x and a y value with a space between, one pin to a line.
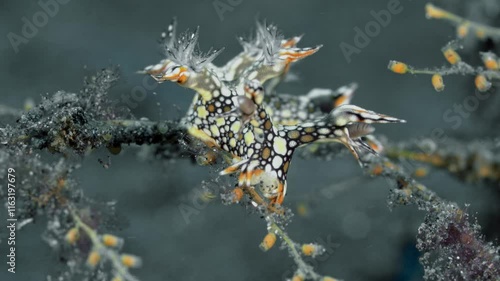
pixel 490 60
pixel 72 235
pixel 94 258
pixel 268 242
pixel 437 82
pixel 482 84
pixel 420 172
pixel 298 277
pixel 398 67
pixel 112 241
pixel 480 33
pixel 302 209
pixel 462 30
pixel 131 261
pixel 491 64
pixel 308 249
pixel 328 278
pixel 451 55
pixel 433 12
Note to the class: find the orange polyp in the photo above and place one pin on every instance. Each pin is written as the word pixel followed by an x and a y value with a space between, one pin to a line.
pixel 491 64
pixel 302 209
pixel 94 258
pixel 130 261
pixel 111 240
pixel 437 82
pixel 308 249
pixel 72 235
pixel 462 30
pixel 433 12
pixel 420 172
pixel 451 56
pixel 298 277
pixel 490 61
pixel 268 242
pixel 482 84
pixel 480 33
pixel 398 67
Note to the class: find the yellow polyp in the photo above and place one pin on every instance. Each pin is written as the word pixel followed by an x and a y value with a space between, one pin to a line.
pixel 117 278
pixel 328 278
pixel 480 33
pixel 451 56
pixel 490 61
pixel 308 249
pixel 482 84
pixel 491 64
pixel 302 209
pixel 398 67
pixel 437 82
pixel 462 30
pixel 433 12
pixel 72 235
pixel 420 172
pixel 298 277
pixel 111 240
pixel 130 260
pixel 268 242
pixel 94 258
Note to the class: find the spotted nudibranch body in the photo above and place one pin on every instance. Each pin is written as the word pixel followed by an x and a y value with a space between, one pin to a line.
pixel 259 128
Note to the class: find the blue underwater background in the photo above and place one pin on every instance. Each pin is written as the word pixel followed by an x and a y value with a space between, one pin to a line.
pixel 364 238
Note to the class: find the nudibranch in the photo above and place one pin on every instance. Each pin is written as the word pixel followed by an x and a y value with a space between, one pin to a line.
pixel 234 112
